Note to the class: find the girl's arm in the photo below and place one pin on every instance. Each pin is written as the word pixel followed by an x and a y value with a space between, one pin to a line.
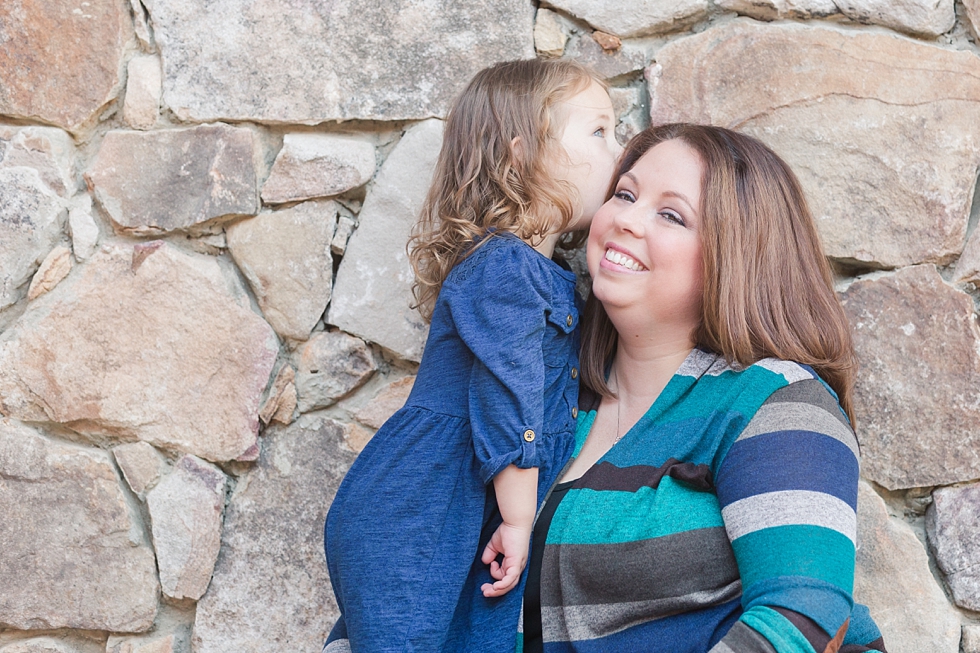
pixel 516 491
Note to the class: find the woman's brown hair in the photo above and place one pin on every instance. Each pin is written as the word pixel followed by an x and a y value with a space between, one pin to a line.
pixel 482 181
pixel 767 286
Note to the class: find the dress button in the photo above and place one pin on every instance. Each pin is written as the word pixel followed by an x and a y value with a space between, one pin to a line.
pixel 529 435
pixel 574 373
pixel 574 412
pixel 569 320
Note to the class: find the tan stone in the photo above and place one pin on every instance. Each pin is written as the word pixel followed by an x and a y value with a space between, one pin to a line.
pixel 272 547
pixel 386 402
pixel 629 58
pixel 643 18
pixel 146 343
pixel 185 510
pixel 330 366
pixel 171 633
pixel 549 37
pixel 345 227
pixel 608 42
pixel 141 25
pixel 972 8
pixel 357 436
pixel 281 402
pixel 892 578
pixel 82 228
pixel 141 109
pixel 779 9
pixel 922 17
pixel 914 334
pixel 126 645
pixel 62 61
pixel 55 267
pixel 141 464
pixel 176 179
pixel 883 131
pixel 40 645
pixel 74 552
pixel 49 151
pixel 285 256
pixel 318 165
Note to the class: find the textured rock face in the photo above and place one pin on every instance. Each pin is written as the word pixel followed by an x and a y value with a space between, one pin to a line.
pixel 272 546
pixel 49 151
pixel 644 17
pixel 55 267
pixel 907 326
pixel 286 258
pixel 386 402
pixel 318 165
pixel 155 182
pixel 140 464
pixel 970 642
pixel 185 510
pixel 892 578
pixel 951 523
pixel 143 88
pixel 61 61
pixel 549 37
pixel 45 645
pixel 309 61
pixel 144 343
pixel 330 366
pixel 71 544
pixel 925 17
pixel 972 8
pixel 81 225
pixel 373 293
pixel 883 132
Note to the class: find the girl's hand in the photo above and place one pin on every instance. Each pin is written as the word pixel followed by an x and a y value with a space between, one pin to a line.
pixel 512 542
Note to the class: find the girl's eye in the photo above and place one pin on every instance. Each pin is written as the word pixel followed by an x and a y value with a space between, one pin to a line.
pixel 624 195
pixel 601 132
pixel 670 216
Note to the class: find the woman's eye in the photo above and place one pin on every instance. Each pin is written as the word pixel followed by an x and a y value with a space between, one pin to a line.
pixel 670 216
pixel 624 195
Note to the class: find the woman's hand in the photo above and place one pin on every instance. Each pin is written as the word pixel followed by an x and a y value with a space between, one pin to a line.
pixel 511 542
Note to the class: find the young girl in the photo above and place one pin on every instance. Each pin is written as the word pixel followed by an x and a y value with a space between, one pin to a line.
pixel 428 534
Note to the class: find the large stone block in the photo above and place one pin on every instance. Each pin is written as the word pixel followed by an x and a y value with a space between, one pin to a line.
pixel 922 17
pixel 643 18
pixel 318 165
pixel 892 578
pixel 286 258
pixel 309 61
pixel 62 62
pixel 373 293
pixel 883 131
pixel 146 343
pixel 330 366
pixel 913 334
pixel 74 551
pixel 272 547
pixel 176 179
pixel 951 523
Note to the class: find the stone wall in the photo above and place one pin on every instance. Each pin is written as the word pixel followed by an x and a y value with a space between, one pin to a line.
pixel 204 289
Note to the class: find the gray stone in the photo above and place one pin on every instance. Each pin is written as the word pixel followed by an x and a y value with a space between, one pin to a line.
pixel 185 511
pixel 48 150
pixel 951 523
pixel 892 578
pixel 780 9
pixel 141 109
pixel 330 366
pixel 922 17
pixel 970 642
pixel 272 546
pixel 74 554
pixel 143 343
pixel 54 268
pixel 40 645
pixel 318 165
pixel 631 115
pixel 373 292
pixel 345 227
pixel 62 62
pixel 914 334
pixel 82 228
pixel 309 61
pixel 972 8
pixel 176 179
pixel 629 58
pixel 171 633
pixel 286 258
pixel 141 465
pixel 281 402
pixel 549 36
pixel 883 131
pixel 644 17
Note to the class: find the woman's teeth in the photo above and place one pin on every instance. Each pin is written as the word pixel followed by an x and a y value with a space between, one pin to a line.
pixel 621 259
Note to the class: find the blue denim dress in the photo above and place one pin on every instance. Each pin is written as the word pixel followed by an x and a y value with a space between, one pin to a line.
pixel 496 386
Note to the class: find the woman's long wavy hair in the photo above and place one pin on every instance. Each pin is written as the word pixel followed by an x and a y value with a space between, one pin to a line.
pixel 501 140
pixel 767 286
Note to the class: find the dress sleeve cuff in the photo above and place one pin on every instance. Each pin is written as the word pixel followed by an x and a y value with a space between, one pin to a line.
pixel 525 456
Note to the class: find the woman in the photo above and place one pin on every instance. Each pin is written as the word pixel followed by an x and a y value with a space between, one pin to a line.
pixel 710 505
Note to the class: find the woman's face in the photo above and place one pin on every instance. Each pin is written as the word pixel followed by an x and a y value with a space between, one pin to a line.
pixel 644 248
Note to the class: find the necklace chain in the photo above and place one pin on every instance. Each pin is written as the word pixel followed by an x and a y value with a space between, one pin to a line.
pixel 619 403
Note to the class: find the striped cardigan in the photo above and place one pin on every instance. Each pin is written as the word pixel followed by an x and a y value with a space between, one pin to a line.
pixel 723 520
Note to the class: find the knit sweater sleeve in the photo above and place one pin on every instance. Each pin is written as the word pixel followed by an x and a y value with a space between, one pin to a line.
pixel 788 493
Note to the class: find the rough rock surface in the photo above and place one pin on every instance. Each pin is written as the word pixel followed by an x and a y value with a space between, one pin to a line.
pixel 82 228
pixel 883 131
pixel 285 255
pixel 143 343
pixel 62 61
pixel 892 578
pixel 50 151
pixel 45 645
pixel 951 523
pixel 318 165
pixel 185 511
pixel 329 366
pixel 281 402
pixel 176 179
pixel 272 546
pixel 69 538
pixel 143 89
pixel 127 645
pixel 141 465
pixel 384 404
pixel 972 8
pixel 923 17
pixel 55 267
pixel 643 18
pixel 309 61
pixel 549 37
pixel 373 292
pixel 970 642
pixel 913 334
pixel 627 59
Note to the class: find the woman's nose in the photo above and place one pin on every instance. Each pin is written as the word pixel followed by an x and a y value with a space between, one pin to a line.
pixel 627 219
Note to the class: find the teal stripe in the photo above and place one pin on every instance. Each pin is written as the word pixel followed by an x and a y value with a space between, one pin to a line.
pixel 582 427
pixel 797 550
pixel 782 634
pixel 746 391
pixel 611 517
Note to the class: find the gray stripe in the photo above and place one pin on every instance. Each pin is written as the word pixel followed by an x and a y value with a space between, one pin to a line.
pixel 811 391
pixel 786 416
pixel 743 639
pixel 701 363
pixel 647 570
pixel 583 622
pixel 789 508
pixel 789 370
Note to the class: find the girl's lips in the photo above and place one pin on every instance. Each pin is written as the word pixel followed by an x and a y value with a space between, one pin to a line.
pixel 618 258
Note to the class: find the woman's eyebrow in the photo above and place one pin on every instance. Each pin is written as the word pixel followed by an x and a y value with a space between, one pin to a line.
pixel 668 193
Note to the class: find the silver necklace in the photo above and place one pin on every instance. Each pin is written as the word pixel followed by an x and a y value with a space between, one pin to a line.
pixel 619 436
